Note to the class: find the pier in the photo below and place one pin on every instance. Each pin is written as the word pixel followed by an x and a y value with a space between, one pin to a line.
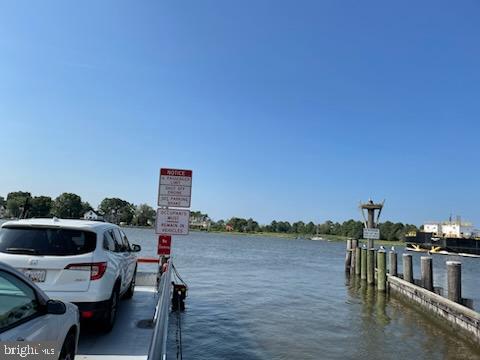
pixel 452 308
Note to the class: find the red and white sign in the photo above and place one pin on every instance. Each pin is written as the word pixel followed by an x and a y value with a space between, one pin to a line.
pixel 175 188
pixel 164 244
pixel 172 221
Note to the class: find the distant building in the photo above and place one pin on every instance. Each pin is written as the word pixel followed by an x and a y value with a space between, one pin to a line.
pixel 229 227
pixel 92 215
pixel 3 211
pixel 452 228
pixel 200 221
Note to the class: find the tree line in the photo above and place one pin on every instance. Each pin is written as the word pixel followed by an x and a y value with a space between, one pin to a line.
pixel 116 210
pixel 21 204
pixel 350 228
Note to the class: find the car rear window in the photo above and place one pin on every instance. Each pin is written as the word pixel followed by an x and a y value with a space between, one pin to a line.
pixel 46 241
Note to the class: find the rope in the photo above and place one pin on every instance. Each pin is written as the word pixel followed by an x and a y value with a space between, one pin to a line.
pixel 178 276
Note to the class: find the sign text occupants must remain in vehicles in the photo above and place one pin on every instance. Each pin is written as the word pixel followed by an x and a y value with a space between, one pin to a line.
pixel 172 221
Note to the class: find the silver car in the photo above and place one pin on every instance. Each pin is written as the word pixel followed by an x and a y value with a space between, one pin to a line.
pixel 28 316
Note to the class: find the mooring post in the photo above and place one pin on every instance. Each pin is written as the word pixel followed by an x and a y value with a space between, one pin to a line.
pixel 371 266
pixel 427 272
pixel 382 270
pixel 358 260
pixel 407 268
pixel 348 255
pixel 363 264
pixel 352 261
pixel 454 280
pixel 393 263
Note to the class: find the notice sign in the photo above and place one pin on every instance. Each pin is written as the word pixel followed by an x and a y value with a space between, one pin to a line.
pixel 164 244
pixel 175 188
pixel 373 234
pixel 172 221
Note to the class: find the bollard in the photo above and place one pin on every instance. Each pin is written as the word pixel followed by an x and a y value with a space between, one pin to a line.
pixel 354 243
pixel 427 272
pixel 393 263
pixel 407 268
pixel 348 255
pixel 352 261
pixel 358 260
pixel 363 264
pixel 370 244
pixel 381 270
pixel 371 266
pixel 454 280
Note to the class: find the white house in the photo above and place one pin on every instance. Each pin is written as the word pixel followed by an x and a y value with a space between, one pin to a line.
pixel 92 215
pixel 3 211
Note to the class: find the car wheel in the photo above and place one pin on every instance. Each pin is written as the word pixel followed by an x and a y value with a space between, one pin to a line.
pixel 131 288
pixel 68 348
pixel 111 311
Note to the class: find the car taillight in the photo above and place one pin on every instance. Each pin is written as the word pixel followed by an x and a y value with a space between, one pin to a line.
pixel 96 269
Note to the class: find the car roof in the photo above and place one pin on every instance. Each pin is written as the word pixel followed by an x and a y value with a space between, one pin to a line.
pixel 62 223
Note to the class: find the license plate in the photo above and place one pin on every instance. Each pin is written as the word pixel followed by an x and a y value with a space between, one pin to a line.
pixel 35 275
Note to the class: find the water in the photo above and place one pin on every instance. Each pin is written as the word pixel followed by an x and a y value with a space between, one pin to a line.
pixel 270 298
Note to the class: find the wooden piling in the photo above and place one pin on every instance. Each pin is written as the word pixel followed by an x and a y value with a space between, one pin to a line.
pixel 352 261
pixel 363 264
pixel 407 268
pixel 381 270
pixel 393 263
pixel 427 272
pixel 371 266
pixel 454 280
pixel 358 260
pixel 348 255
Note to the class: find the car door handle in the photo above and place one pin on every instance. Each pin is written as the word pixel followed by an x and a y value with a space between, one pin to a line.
pixel 20 338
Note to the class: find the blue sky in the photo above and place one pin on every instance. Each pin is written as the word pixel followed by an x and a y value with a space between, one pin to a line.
pixel 283 109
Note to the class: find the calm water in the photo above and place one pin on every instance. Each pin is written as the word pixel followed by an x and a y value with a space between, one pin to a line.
pixel 269 298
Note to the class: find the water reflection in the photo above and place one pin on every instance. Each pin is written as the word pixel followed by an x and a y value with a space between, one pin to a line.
pixel 382 312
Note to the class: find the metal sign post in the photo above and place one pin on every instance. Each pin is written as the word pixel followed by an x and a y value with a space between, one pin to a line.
pixel 173 213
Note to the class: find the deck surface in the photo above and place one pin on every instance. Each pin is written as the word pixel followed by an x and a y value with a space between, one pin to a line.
pixel 126 341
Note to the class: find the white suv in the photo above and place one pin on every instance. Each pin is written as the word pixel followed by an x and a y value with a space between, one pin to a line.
pixel 88 263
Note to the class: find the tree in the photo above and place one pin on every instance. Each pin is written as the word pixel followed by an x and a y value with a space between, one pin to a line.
pixel 116 210
pixel 3 202
pixel 41 206
pixel 144 215
pixel 68 206
pixel 310 228
pixel 298 227
pixel 18 203
pixel 252 226
pixel 86 207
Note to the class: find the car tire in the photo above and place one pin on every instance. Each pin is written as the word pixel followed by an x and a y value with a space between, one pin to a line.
pixel 131 288
pixel 111 311
pixel 68 348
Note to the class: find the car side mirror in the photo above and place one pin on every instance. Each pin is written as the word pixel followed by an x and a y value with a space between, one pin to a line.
pixel 56 307
pixel 136 248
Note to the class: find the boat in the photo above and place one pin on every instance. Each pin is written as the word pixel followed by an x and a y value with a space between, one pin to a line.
pixel 316 237
pixel 452 237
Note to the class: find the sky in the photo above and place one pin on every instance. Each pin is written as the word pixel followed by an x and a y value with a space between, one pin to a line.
pixel 286 110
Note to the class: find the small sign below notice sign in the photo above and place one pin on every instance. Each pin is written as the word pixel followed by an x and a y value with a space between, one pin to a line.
pixel 373 234
pixel 172 221
pixel 164 244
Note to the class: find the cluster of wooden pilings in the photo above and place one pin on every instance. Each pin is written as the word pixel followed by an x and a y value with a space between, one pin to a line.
pixel 371 266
